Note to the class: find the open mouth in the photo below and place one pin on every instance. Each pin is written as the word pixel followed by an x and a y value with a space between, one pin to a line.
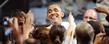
pixel 21 21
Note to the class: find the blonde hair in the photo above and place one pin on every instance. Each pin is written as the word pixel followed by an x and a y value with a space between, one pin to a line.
pixel 84 33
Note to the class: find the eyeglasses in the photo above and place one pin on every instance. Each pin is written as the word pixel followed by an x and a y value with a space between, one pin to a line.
pixel 89 18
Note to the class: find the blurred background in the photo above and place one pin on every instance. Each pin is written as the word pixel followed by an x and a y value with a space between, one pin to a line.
pixel 39 7
pixel 77 7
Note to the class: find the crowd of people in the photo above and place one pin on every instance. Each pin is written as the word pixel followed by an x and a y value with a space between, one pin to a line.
pixel 20 28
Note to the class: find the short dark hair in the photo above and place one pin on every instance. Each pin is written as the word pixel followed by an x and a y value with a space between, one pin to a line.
pixel 42 34
pixel 57 30
pixel 51 3
pixel 107 17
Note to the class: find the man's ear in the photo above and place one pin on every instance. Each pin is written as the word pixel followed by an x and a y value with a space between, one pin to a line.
pixel 62 14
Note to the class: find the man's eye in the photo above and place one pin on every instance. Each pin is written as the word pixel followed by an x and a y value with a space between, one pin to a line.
pixel 49 11
pixel 85 17
pixel 55 9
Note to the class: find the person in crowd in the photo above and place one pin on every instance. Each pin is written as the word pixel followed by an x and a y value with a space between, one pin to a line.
pixel 97 26
pixel 84 33
pixel 10 32
pixel 23 24
pixel 57 34
pixel 89 15
pixel 103 38
pixel 55 15
pixel 41 34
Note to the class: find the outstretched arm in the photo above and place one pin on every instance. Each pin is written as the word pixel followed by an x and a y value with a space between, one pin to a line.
pixel 102 9
pixel 71 29
pixel 98 38
pixel 69 33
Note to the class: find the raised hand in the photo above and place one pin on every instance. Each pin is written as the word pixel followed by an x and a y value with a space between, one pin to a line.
pixel 98 38
pixel 102 9
pixel 70 18
pixel 69 33
pixel 13 23
pixel 71 21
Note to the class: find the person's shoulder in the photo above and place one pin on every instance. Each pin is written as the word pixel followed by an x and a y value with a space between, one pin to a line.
pixel 65 24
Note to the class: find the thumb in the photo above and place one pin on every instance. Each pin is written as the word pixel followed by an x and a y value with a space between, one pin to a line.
pixel 13 22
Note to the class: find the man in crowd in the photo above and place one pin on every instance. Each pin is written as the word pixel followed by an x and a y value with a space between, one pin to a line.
pixel 90 15
pixel 84 34
pixel 54 15
pixel 103 38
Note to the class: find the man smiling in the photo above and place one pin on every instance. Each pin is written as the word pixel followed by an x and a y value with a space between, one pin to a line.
pixel 55 15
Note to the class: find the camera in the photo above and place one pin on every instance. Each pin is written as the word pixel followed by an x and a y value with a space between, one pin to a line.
pixel 6 27
pixel 5 21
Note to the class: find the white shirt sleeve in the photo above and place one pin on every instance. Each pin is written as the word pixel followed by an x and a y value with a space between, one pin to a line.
pixel 65 24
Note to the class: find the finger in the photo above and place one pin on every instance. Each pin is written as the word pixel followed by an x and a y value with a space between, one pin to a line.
pixel 15 22
pixel 102 9
pixel 100 34
pixel 23 13
pixel 70 18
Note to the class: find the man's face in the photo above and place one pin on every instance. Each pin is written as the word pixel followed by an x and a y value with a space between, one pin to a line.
pixel 90 15
pixel 55 14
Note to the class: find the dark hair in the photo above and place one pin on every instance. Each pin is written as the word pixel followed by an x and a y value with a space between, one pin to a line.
pixel 97 26
pixel 97 1
pixel 13 13
pixel 106 29
pixel 42 34
pixel 57 30
pixel 107 18
pixel 51 3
